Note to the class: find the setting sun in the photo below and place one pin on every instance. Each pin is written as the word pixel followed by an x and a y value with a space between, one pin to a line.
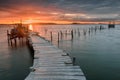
pixel 30 27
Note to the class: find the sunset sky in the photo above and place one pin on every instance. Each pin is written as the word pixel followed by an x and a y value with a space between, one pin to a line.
pixel 59 11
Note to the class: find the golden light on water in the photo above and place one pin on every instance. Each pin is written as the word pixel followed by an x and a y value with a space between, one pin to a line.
pixel 30 27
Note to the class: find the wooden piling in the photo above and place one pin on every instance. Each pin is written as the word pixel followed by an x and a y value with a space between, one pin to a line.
pixel 89 31
pixel 72 34
pixel 73 60
pixel 61 34
pixel 84 32
pixel 58 38
pixel 51 36
pixel 78 32
pixel 8 37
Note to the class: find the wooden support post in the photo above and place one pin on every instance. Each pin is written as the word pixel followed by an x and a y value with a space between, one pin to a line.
pixel 89 31
pixel 73 60
pixel 95 29
pixel 58 38
pixel 15 41
pixel 78 32
pixel 84 32
pixel 51 35
pixel 8 38
pixel 7 32
pixel 66 33
pixel 100 27
pixel 11 42
pixel 72 34
pixel 61 34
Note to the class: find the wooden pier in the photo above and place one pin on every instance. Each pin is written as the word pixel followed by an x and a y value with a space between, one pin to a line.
pixel 51 63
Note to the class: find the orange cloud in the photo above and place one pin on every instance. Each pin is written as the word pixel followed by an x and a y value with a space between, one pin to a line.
pixel 29 13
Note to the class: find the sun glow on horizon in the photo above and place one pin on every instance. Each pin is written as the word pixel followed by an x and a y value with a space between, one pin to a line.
pixel 30 27
pixel 32 13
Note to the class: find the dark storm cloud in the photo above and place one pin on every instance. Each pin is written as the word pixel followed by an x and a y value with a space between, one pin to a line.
pixel 88 7
pixel 69 5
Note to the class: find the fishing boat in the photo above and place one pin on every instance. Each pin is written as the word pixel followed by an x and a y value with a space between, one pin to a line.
pixel 111 25
pixel 19 31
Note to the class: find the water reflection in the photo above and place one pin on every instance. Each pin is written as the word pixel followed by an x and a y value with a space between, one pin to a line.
pixel 95 47
pixel 14 60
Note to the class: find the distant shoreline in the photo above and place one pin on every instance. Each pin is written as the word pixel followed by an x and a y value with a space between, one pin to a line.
pixel 57 24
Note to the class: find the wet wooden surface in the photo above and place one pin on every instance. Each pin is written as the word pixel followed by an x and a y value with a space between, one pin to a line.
pixel 51 63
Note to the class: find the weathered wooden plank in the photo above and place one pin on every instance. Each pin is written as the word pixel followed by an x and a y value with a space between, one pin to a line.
pixel 57 70
pixel 51 51
pixel 56 77
pixel 58 73
pixel 63 67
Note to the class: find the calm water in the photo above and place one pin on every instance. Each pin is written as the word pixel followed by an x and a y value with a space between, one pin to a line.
pixel 97 51
pixel 14 61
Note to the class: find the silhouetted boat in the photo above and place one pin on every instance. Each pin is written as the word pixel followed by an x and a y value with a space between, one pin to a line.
pixel 111 25
pixel 19 32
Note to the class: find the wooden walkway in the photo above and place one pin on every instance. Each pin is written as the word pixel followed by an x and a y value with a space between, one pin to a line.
pixel 51 63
